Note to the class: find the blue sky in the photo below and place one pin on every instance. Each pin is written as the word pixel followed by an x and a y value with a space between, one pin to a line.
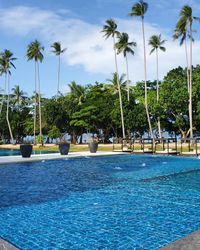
pixel 77 25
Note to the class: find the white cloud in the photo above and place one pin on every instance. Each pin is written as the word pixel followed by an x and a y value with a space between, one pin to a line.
pixel 86 45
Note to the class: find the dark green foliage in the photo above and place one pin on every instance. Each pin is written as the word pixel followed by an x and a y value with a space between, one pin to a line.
pixel 95 109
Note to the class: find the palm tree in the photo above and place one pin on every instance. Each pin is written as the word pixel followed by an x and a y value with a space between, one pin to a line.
pixel 57 50
pixel 157 43
pixel 18 96
pixel 77 92
pixel 139 9
pixel 2 90
pixel 110 30
pixel 113 88
pixel 182 35
pixel 124 46
pixel 34 51
pixel 6 62
pixel 185 24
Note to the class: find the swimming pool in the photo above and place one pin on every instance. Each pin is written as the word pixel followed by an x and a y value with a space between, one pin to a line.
pixel 115 202
pixel 10 152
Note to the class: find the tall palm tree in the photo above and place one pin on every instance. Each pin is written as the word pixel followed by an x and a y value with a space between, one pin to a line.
pixel 110 30
pixel 5 82
pixel 182 34
pixel 6 62
pixel 34 52
pixel 57 50
pixel 124 46
pixel 185 24
pixel 139 9
pixel 157 43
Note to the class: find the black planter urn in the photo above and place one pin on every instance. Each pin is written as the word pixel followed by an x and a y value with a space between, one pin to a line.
pixel 93 146
pixel 64 148
pixel 26 150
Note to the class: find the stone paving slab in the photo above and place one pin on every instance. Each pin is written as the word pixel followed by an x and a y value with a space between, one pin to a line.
pixel 190 242
pixel 53 156
pixel 4 245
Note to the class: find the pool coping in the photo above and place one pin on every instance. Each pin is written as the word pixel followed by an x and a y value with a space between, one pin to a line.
pixel 5 245
pixel 189 242
pixel 53 156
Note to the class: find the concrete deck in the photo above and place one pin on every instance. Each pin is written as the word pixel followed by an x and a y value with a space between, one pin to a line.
pixel 190 242
pixel 4 245
pixel 54 156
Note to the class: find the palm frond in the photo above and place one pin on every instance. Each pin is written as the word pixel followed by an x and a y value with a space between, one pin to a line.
pixel 156 42
pixel 110 28
pixel 123 45
pixel 139 9
pixel 34 51
pixel 57 48
pixel 152 50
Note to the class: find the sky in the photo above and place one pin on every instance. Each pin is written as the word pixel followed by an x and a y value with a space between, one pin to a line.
pixel 77 24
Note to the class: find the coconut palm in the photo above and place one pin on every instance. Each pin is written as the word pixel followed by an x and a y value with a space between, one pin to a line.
pixel 57 50
pixel 113 87
pixel 124 46
pixel 139 9
pixel 19 97
pixel 183 35
pixel 34 52
pixel 6 62
pixel 77 92
pixel 157 43
pixel 185 24
pixel 110 30
pixel 3 91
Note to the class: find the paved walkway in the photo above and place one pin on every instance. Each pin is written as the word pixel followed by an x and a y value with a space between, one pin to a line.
pixel 54 156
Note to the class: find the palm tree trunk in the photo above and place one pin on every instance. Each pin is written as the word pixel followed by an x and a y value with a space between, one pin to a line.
pixel 58 77
pixel 3 96
pixel 7 112
pixel 119 89
pixel 145 81
pixel 35 108
pixel 157 94
pixel 40 113
pixel 190 93
pixel 187 64
pixel 128 82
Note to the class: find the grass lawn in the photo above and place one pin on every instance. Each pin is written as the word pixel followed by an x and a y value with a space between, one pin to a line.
pixel 73 148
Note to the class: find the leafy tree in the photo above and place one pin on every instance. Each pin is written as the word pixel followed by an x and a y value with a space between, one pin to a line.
pixel 55 114
pixel 173 96
pixel 54 133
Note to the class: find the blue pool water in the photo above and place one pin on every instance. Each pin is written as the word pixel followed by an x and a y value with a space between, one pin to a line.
pixel 10 152
pixel 116 202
